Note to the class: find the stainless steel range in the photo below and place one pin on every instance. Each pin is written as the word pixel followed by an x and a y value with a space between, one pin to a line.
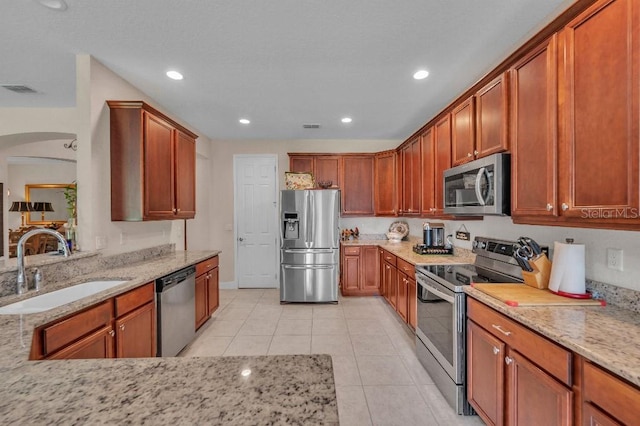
pixel 441 329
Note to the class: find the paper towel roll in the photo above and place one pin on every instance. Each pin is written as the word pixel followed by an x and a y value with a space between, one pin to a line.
pixel 567 270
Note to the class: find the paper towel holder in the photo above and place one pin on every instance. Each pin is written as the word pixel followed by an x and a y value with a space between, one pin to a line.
pixel 556 285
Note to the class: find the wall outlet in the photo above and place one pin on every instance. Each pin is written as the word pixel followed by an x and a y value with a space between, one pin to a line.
pixel 614 259
pixel 101 242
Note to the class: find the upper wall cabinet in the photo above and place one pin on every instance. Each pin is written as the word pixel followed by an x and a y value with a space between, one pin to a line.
pixel 436 158
pixel 480 124
pixel 411 177
pixel 323 167
pixel 152 164
pixel 357 185
pixel 385 188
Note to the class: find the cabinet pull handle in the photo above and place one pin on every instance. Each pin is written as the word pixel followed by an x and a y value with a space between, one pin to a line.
pixel 565 207
pixel 496 351
pixel 112 333
pixel 499 328
pixel 122 327
pixel 549 207
pixel 508 360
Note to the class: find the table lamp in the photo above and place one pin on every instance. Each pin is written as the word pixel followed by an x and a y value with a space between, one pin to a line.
pixel 42 207
pixel 21 206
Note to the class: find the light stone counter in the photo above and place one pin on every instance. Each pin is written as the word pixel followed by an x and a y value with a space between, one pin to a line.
pixel 404 250
pixel 158 391
pixel 608 336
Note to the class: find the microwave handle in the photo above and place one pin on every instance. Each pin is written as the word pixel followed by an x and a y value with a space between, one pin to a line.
pixel 482 171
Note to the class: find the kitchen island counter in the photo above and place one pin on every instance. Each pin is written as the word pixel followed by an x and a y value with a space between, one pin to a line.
pixel 607 335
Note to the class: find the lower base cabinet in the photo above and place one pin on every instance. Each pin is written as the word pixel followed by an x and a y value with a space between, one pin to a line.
pixel 99 344
pixel 359 271
pixel 132 332
pixel 505 386
pixel 207 290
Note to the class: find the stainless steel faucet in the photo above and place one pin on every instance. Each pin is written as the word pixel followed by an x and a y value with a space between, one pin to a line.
pixel 22 278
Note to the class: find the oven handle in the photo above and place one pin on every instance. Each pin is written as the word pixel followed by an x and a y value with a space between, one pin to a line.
pixel 437 292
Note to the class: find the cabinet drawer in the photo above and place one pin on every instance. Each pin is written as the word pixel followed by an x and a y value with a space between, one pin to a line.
pixel 352 251
pixel 611 394
pixel 552 358
pixel 62 333
pixel 406 267
pixel 129 301
pixel 206 265
pixel 389 258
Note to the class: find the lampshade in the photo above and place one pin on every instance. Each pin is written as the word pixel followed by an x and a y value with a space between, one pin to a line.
pixel 42 207
pixel 21 206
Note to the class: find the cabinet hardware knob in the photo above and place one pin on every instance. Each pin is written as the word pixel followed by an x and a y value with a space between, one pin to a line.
pixel 122 327
pixel 499 328
pixel 475 152
pixel 508 360
pixel 175 211
pixel 549 207
pixel 468 154
pixel 388 267
pixel 112 333
pixel 496 351
pixel 565 206
pixel 178 210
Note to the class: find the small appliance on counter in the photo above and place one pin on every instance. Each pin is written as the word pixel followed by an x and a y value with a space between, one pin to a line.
pixel 433 240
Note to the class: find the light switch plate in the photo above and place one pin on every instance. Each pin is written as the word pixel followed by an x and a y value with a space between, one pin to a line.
pixel 101 242
pixel 615 259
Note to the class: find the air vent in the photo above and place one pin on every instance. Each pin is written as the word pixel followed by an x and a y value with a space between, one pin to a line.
pixel 18 88
pixel 311 126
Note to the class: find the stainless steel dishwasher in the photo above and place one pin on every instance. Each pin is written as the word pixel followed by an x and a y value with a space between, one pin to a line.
pixel 176 308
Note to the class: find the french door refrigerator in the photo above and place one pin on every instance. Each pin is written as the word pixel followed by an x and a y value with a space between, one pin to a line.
pixel 310 245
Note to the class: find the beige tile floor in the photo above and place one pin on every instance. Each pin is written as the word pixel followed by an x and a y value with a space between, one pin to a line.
pixel 379 380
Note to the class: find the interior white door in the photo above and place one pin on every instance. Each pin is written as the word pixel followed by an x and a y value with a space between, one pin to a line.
pixel 256 211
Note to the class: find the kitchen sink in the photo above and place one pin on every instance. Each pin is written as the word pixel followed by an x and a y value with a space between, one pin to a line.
pixel 47 301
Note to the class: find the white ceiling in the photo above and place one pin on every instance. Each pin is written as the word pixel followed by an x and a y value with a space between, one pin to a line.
pixel 280 63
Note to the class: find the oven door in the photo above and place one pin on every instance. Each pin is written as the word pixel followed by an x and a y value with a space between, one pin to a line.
pixel 441 325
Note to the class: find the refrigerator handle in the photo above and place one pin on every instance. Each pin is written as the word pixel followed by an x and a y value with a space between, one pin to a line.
pixel 313 216
pixel 307 225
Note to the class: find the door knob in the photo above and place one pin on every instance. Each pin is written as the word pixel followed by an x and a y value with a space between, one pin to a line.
pixel 240 239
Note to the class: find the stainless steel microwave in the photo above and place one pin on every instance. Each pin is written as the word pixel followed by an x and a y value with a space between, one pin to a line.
pixel 478 188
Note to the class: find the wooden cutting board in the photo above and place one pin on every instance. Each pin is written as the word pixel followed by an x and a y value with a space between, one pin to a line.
pixel 524 295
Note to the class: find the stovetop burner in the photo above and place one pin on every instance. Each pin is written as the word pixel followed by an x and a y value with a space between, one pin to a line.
pixel 424 249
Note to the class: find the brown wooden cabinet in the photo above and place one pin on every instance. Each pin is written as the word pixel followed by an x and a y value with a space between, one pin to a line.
pixel 301 163
pixel 410 154
pixel 324 167
pixel 405 303
pixel 357 185
pixel 207 290
pixel 390 277
pixel 96 345
pixel 385 187
pixel 135 323
pixel 463 132
pixel 534 132
pixel 492 117
pixel 152 164
pixel 360 271
pixel 515 375
pixel 442 161
pixel 412 303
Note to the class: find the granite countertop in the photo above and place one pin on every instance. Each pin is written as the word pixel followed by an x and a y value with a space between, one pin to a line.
pixel 284 389
pixel 404 250
pixel 608 336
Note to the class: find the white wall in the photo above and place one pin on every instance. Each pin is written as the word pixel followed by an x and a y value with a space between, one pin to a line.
pixel 596 241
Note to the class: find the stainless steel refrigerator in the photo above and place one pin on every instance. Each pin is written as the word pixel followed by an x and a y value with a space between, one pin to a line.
pixel 310 245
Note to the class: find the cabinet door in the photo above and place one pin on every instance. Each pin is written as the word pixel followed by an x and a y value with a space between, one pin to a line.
pixel 357 185
pixel 534 397
pixel 99 344
pixel 213 291
pixel 412 303
pixel 159 168
pixel 391 285
pixel 463 132
pixel 485 374
pixel 427 199
pixel 491 103
pixel 600 150
pixel 185 151
pixel 534 132
pixel 351 274
pixel 385 191
pixel 591 416
pixel 382 268
pixel 301 163
pixel 442 158
pixel 401 298
pixel 201 300
pixel 327 167
pixel 370 276
pixel 411 176
pixel 135 333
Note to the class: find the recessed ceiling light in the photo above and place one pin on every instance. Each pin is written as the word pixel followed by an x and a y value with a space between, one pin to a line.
pixel 346 120
pixel 175 75
pixel 59 5
pixel 244 121
pixel 422 74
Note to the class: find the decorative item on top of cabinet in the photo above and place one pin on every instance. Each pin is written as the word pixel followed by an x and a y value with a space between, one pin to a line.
pixel 152 164
pixel 323 167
